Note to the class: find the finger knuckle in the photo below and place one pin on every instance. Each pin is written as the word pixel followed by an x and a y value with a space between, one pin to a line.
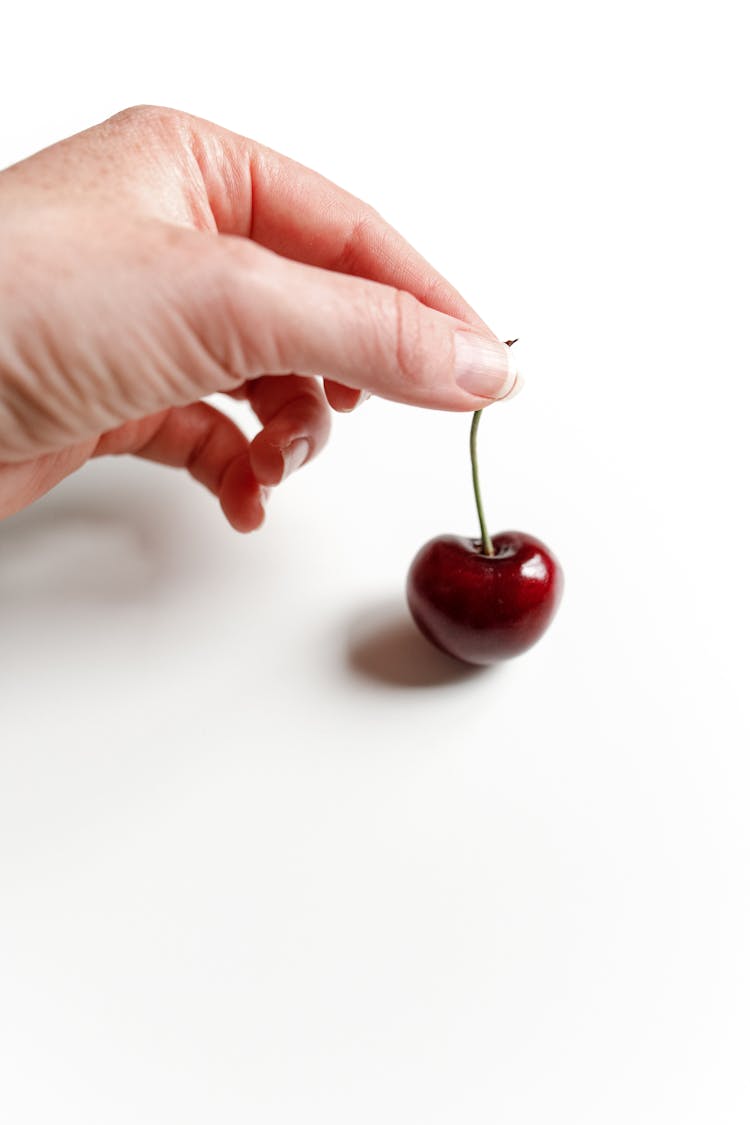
pixel 364 232
pixel 144 119
pixel 227 289
pixel 409 338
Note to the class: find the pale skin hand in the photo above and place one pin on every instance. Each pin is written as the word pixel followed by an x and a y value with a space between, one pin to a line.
pixel 158 258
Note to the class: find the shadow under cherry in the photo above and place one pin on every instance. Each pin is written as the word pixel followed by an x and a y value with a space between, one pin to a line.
pixel 385 647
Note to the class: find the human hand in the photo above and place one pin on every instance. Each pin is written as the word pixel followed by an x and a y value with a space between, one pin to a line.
pixel 156 258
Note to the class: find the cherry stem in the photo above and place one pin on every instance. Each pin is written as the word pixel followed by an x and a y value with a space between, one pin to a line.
pixel 487 548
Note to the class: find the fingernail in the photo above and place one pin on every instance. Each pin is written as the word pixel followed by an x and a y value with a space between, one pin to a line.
pixel 484 367
pixel 517 386
pixel 295 455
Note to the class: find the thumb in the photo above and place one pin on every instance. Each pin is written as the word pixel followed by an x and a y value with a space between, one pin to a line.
pixel 268 315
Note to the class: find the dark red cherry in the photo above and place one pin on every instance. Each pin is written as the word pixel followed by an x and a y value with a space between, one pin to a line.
pixel 481 608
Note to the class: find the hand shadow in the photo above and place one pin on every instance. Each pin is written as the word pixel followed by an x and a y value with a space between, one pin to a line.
pixel 91 541
pixel 385 646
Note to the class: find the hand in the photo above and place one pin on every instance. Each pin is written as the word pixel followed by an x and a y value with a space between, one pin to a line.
pixel 156 259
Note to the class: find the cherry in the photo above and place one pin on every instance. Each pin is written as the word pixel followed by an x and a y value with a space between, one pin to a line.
pixel 478 607
pixel 482 600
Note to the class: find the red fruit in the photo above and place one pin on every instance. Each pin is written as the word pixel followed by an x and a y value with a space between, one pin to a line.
pixel 481 608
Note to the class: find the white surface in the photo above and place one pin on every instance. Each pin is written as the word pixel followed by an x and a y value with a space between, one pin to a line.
pixel 263 856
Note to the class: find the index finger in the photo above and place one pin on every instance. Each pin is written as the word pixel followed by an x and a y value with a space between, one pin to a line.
pixel 290 209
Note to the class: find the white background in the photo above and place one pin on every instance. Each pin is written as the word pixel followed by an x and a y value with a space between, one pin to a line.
pixel 266 858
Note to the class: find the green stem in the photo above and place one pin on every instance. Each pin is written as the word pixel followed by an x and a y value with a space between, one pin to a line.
pixel 487 548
